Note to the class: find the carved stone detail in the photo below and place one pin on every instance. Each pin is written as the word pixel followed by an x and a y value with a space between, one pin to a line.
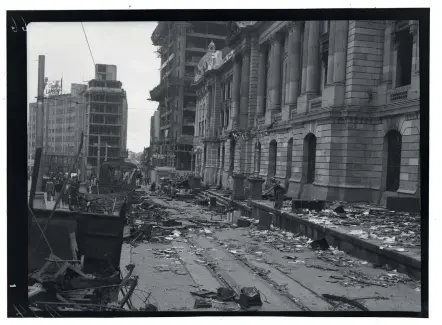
pixel 350 120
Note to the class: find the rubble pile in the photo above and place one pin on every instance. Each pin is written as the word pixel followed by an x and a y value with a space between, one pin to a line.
pixel 105 203
pixel 284 241
pixel 397 230
pixel 62 286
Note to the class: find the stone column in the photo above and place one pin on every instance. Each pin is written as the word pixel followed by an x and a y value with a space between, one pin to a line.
pixel 331 51
pixel 209 129
pixel 294 63
pixel 340 52
pixel 313 64
pixel 334 94
pixel 261 81
pixel 414 30
pixel 415 78
pixel 235 92
pixel 304 57
pixel 245 72
pixel 275 93
pixel 386 67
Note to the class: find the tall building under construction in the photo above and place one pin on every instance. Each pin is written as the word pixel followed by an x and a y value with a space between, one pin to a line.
pixel 181 45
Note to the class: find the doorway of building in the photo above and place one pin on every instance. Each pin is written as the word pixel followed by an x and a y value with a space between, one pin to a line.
pixel 273 148
pixel 310 157
pixel 257 158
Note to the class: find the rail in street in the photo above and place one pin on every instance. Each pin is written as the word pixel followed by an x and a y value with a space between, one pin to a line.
pixel 288 274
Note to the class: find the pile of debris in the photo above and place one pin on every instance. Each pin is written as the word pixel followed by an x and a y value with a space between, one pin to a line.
pixel 105 203
pixel 398 230
pixel 61 285
pixel 284 241
pixel 248 297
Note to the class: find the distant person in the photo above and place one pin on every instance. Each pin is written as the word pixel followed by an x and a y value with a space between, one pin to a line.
pixel 57 188
pixel 49 189
pixel 65 196
pixel 73 194
pixel 88 185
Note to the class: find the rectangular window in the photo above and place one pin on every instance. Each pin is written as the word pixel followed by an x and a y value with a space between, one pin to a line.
pixel 101 68
pixel 404 58
pixel 325 67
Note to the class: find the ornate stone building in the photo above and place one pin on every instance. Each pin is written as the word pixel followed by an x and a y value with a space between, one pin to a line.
pixel 330 108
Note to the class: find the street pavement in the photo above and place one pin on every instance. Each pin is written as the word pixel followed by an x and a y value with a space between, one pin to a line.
pixel 288 274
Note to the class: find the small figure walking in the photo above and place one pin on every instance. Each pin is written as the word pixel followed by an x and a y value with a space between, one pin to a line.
pixel 49 189
pixel 279 190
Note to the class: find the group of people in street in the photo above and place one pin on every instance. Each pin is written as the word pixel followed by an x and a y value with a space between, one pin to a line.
pixel 141 178
pixel 54 186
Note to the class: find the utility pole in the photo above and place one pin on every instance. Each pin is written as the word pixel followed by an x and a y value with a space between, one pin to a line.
pixel 39 123
pixel 98 157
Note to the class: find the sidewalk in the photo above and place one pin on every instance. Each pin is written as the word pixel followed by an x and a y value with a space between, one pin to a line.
pixel 380 237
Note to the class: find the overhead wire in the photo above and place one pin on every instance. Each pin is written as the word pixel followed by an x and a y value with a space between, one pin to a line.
pixel 93 61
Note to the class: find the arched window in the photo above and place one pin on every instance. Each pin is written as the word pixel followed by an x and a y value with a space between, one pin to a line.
pixel 272 158
pixel 288 171
pixel 394 148
pixel 309 158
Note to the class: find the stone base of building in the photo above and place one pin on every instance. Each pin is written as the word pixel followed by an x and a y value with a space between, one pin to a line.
pixel 331 193
pixel 194 182
pixel 333 95
pixel 255 187
pixel 210 176
pixel 238 187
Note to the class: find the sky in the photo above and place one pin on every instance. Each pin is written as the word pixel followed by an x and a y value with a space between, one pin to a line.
pixel 124 44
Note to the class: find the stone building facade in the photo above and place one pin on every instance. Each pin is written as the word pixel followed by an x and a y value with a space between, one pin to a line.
pixel 330 108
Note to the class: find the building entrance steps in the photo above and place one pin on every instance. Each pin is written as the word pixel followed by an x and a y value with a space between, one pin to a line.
pixel 376 235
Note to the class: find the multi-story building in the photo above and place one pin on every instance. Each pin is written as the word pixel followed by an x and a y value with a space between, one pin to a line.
pixel 155 148
pixel 330 108
pixel 106 123
pixel 213 83
pixel 64 121
pixel 180 46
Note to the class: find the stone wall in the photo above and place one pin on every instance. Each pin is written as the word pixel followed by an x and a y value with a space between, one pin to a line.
pixel 364 60
pixel 350 127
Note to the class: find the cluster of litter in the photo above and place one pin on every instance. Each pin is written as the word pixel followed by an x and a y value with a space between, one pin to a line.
pixel 397 231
